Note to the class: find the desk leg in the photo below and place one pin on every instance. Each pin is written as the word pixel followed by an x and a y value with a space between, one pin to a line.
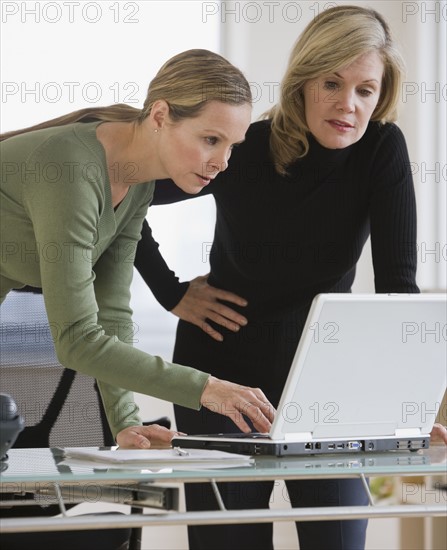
pixel 366 487
pixel 60 500
pixel 217 494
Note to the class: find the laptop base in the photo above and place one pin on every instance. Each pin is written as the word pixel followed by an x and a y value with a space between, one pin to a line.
pixel 258 447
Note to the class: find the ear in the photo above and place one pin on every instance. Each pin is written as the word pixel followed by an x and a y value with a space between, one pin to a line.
pixel 159 114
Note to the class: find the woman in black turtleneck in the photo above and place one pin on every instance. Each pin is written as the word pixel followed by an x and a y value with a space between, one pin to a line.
pixel 301 195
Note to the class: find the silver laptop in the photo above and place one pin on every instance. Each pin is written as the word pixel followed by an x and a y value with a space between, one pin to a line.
pixel 369 374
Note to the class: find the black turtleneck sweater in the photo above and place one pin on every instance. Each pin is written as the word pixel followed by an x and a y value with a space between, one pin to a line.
pixel 279 241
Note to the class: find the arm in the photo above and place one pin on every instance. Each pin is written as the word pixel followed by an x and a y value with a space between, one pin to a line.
pixel 164 284
pixel 195 301
pixel 78 298
pixel 84 344
pixel 393 217
pixel 72 223
pixel 113 277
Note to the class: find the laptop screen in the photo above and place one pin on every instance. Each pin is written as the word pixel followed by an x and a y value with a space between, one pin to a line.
pixel 366 365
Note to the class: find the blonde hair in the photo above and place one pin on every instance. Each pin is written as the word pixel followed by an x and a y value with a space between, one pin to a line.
pixel 333 40
pixel 187 82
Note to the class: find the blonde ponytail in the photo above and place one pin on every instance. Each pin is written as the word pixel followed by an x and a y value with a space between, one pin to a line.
pixel 186 82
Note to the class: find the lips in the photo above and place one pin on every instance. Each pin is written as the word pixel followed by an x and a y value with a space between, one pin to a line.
pixel 340 123
pixel 204 180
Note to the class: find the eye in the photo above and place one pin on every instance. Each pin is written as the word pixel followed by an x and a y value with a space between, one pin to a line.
pixel 365 92
pixel 330 85
pixel 211 140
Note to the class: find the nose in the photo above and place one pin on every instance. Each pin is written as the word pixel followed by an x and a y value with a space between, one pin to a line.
pixel 345 101
pixel 218 162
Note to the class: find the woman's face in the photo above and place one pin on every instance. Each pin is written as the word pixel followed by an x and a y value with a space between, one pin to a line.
pixel 338 106
pixel 194 150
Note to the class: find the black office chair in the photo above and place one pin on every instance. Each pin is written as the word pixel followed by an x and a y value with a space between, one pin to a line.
pixel 60 407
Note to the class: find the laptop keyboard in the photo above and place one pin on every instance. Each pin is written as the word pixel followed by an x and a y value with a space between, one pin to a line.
pixel 251 435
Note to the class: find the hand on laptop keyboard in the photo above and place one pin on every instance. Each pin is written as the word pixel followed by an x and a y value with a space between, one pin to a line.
pixel 234 401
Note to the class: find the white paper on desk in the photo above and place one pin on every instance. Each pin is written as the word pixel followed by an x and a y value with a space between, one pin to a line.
pixel 158 458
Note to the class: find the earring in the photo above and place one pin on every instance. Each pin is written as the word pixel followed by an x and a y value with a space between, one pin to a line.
pixel 156 131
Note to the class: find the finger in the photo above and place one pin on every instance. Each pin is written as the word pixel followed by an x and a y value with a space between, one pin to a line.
pixel 156 428
pixel 260 412
pixel 259 420
pixel 261 425
pixel 222 321
pixel 208 329
pixel 238 419
pixel 157 433
pixel 260 400
pixel 141 442
pixel 228 313
pixel 238 409
pixel 133 440
pixel 270 411
pixel 230 410
pixel 229 296
pixel 267 408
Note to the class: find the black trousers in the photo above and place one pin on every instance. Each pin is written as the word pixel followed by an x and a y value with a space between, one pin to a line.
pixel 323 535
pixel 101 539
pixel 259 355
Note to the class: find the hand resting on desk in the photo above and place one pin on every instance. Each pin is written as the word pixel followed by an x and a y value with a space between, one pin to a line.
pixel 145 437
pixel 438 434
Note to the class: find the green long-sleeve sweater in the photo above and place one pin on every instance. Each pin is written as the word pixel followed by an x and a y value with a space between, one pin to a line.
pixel 59 231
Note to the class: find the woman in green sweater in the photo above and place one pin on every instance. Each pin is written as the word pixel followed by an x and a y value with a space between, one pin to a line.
pixel 74 194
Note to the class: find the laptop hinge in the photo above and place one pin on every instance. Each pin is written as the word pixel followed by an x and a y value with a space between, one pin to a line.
pixel 302 436
pixel 407 432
